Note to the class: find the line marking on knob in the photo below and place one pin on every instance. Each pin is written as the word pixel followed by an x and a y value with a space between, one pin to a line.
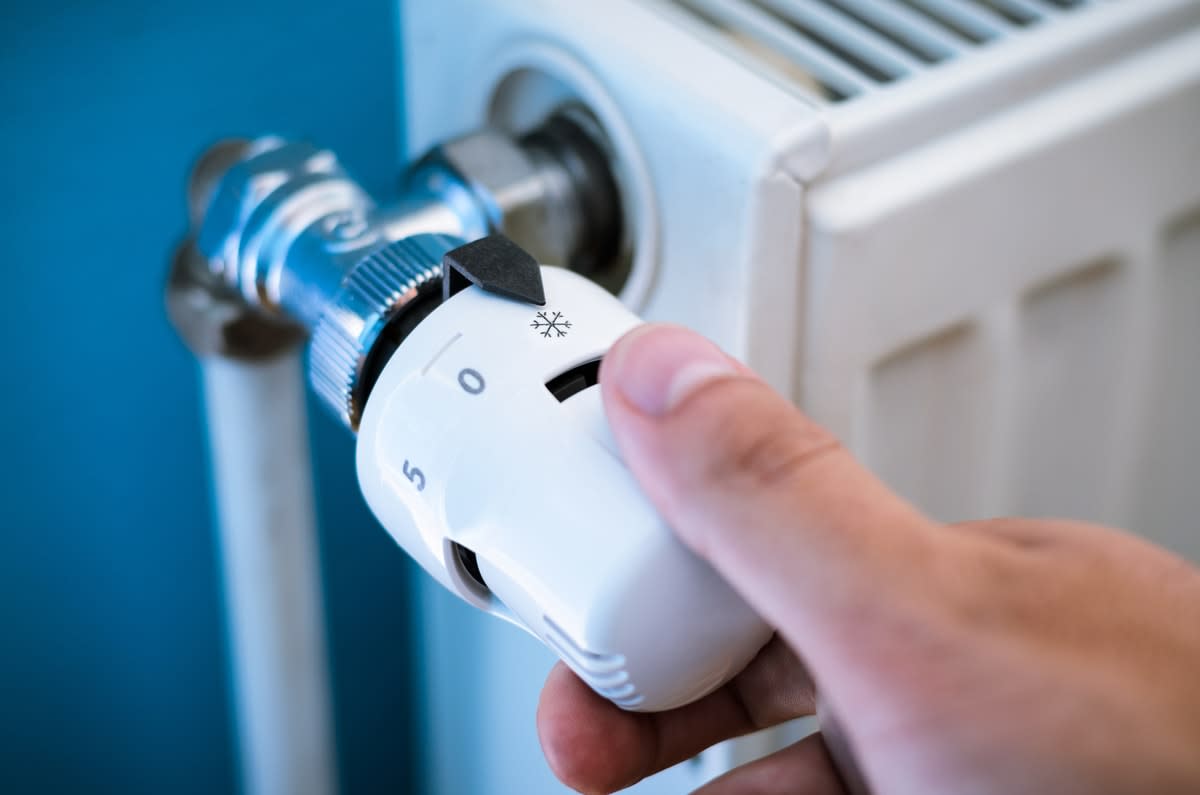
pixel 439 353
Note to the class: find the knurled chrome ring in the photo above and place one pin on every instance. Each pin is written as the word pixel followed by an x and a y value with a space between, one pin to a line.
pixel 371 294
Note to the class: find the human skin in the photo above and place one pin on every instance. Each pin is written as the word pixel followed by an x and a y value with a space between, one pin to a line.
pixel 1000 656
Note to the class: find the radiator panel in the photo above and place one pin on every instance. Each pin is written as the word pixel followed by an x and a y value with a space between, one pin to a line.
pixel 1074 380
pixel 981 273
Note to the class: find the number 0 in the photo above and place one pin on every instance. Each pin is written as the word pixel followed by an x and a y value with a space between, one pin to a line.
pixel 471 381
pixel 415 475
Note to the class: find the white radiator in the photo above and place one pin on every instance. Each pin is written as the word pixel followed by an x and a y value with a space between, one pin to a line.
pixel 963 234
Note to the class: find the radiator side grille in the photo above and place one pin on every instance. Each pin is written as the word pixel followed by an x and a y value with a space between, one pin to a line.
pixel 841 49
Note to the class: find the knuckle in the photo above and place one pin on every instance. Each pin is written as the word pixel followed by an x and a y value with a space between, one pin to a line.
pixel 771 450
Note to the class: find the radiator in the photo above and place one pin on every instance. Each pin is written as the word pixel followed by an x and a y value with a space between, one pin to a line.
pixel 962 234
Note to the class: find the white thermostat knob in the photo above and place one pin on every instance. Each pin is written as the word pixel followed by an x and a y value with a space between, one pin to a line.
pixel 484 450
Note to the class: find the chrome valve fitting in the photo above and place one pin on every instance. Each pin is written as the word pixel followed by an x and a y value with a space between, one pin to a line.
pixel 288 240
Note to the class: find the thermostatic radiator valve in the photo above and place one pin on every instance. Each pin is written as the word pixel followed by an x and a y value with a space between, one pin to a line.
pixel 469 371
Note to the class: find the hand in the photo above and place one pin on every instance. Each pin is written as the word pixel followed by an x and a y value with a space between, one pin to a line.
pixel 1005 656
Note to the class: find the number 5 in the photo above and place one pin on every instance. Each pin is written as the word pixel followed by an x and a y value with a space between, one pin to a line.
pixel 415 475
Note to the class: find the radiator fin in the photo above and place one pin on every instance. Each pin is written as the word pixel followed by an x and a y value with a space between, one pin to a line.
pixel 1168 486
pixel 841 49
pixel 1068 361
pixel 932 395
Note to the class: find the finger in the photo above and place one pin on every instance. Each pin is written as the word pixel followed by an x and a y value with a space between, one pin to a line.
pixel 780 509
pixel 1034 534
pixel 803 768
pixel 593 746
pixel 1020 532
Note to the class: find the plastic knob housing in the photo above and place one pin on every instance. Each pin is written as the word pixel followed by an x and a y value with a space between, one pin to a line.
pixel 485 452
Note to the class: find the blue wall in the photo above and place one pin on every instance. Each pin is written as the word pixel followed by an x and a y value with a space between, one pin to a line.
pixel 113 674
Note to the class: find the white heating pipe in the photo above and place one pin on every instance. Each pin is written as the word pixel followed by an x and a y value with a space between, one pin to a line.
pixel 258 436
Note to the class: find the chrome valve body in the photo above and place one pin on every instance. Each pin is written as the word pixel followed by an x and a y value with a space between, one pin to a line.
pixel 286 242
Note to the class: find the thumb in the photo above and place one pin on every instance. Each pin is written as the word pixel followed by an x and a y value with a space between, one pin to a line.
pixel 780 509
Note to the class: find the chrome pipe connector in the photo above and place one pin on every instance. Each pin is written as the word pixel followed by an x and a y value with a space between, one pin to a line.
pixel 286 232
pixel 551 190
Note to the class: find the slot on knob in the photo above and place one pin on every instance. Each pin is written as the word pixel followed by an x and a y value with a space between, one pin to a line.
pixel 467 564
pixel 575 380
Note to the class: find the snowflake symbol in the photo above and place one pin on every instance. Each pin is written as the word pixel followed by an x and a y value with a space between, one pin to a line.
pixel 548 324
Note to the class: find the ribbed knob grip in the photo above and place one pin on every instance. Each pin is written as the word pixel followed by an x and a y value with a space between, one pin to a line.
pixel 372 293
